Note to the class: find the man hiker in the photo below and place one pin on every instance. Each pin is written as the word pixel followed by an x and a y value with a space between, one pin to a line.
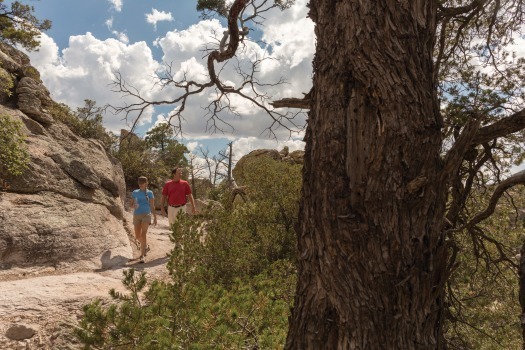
pixel 175 192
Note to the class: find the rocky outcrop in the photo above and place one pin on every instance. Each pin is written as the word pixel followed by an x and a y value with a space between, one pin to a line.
pixel 66 210
pixel 295 157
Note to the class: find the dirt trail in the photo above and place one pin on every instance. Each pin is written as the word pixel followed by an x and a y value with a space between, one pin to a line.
pixel 44 301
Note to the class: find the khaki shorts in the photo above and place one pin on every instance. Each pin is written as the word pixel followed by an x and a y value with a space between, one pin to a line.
pixel 142 219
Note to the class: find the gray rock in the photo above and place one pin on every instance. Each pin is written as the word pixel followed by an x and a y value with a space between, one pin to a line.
pixel 297 156
pixel 32 106
pixel 66 210
pixel 7 63
pixel 29 85
pixel 20 332
pixel 47 229
pixel 11 59
pixel 32 126
pixel 33 96
pixel 83 173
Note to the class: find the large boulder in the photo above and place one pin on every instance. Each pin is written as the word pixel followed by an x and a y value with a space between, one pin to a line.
pixel 66 210
pixel 295 157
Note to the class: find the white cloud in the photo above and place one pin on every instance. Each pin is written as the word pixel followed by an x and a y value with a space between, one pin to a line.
pixel 87 66
pixel 121 36
pixel 109 23
pixel 518 46
pixel 161 119
pixel 117 4
pixel 157 16
pixel 192 146
pixel 47 53
pixel 184 50
pixel 191 69
pixel 290 34
pixel 187 43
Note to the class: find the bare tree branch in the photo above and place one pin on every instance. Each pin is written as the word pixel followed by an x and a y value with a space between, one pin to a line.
pixel 249 88
pixel 514 180
pixel 501 128
pixel 293 102
pixel 455 155
pixel 461 10
pixel 462 187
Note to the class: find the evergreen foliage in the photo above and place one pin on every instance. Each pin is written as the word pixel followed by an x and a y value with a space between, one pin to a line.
pixel 85 122
pixel 137 159
pixel 167 151
pixel 154 156
pixel 6 83
pixel 14 156
pixel 233 278
pixel 18 25
pixel 482 300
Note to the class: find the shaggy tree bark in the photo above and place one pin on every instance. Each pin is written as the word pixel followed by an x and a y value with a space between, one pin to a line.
pixel 522 294
pixel 372 253
pixel 373 256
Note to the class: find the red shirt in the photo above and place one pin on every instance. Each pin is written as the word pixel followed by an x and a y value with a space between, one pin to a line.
pixel 176 191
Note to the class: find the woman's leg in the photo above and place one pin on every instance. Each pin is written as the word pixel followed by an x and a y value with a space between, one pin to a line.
pixel 143 243
pixel 138 230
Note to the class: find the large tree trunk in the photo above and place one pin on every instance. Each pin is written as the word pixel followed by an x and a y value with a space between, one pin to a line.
pixel 522 293
pixel 372 255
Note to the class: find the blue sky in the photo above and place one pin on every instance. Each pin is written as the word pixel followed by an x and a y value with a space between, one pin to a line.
pixel 73 17
pixel 91 40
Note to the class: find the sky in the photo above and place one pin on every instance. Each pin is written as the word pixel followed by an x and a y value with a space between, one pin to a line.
pixel 90 41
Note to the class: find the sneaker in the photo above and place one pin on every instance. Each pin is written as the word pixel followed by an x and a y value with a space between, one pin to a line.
pixel 141 259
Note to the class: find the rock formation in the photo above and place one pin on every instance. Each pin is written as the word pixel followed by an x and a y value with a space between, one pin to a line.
pixel 66 210
pixel 295 157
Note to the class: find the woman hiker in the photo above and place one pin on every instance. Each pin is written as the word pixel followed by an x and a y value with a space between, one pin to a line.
pixel 144 207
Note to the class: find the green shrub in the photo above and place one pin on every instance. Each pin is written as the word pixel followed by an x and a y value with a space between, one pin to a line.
pixel 483 304
pixel 153 156
pixel 233 277
pixel 6 82
pixel 137 159
pixel 14 156
pixel 18 25
pixel 86 122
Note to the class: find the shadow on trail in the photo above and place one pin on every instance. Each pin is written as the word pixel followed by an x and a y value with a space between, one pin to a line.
pixel 137 265
pixel 119 262
pixel 108 262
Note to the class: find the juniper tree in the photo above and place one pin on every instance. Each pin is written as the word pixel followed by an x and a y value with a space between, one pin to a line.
pixel 414 106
